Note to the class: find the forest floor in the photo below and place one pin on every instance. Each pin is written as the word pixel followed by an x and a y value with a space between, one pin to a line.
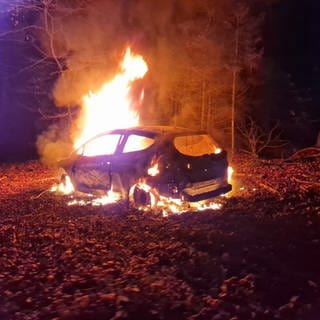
pixel 258 257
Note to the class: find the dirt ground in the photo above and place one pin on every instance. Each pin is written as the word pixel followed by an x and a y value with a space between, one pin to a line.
pixel 258 257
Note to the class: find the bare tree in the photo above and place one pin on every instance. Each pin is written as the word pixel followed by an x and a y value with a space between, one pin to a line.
pixel 36 27
pixel 245 51
pixel 258 139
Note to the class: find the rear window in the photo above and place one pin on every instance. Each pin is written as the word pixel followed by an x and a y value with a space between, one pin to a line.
pixel 195 145
pixel 103 145
pixel 137 143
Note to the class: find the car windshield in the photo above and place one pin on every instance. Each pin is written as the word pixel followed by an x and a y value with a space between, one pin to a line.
pixel 195 145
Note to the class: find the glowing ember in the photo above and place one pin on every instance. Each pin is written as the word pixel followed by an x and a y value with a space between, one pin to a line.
pixel 217 151
pixel 109 198
pixel 66 187
pixel 111 107
pixel 169 205
pixel 177 206
pixel 154 170
pixel 164 204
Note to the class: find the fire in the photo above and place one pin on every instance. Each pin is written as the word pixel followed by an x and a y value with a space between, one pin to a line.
pixel 65 186
pixel 154 170
pixel 108 109
pixel 111 107
pixel 230 173
pixel 109 198
pixel 168 205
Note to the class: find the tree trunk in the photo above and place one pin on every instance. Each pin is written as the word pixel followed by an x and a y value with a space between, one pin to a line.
pixel 49 27
pixel 234 80
pixel 209 114
pixel 234 88
pixel 203 96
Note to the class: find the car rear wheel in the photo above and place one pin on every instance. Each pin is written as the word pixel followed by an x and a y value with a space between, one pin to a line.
pixel 142 197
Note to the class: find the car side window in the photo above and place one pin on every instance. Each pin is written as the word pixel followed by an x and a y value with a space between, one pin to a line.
pixel 195 145
pixel 137 143
pixel 102 145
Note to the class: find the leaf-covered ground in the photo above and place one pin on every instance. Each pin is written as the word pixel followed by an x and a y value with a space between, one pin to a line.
pixel 256 258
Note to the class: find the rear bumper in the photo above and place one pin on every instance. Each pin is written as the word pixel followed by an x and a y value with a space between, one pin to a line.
pixel 194 195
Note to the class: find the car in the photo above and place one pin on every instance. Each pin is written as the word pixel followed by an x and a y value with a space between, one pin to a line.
pixel 148 162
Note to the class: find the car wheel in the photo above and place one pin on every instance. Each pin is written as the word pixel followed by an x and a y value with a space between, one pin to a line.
pixel 142 197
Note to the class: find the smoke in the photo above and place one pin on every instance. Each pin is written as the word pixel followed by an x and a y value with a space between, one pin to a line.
pixel 90 38
pixel 94 39
pixel 54 145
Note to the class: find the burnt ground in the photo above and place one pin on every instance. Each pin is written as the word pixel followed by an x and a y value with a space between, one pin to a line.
pixel 256 258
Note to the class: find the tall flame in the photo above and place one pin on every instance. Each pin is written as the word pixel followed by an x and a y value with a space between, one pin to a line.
pixel 111 107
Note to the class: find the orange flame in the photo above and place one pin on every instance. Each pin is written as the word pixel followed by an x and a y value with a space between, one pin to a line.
pixel 230 173
pixel 154 170
pixel 64 187
pixel 111 107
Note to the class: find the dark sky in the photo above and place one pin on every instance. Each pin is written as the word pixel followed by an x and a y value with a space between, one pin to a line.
pixel 292 41
pixel 293 34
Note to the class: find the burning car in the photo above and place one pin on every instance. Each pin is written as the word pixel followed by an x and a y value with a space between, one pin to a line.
pixel 146 163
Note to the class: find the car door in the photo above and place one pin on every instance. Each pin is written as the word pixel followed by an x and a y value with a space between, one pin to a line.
pixel 92 169
pixel 134 156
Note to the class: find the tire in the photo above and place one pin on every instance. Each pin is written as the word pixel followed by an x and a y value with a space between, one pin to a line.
pixel 141 198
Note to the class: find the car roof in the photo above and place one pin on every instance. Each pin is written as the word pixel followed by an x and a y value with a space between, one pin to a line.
pixel 157 130
pixel 162 132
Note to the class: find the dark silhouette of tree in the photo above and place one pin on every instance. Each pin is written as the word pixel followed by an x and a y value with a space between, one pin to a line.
pixel 280 99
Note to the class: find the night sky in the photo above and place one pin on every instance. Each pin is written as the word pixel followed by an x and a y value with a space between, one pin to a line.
pixel 293 32
pixel 292 40
pixel 294 29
